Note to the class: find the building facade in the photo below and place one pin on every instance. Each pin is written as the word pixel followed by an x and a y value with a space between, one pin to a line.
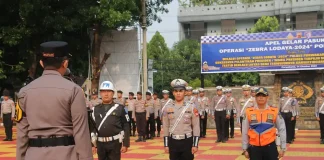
pixel 197 21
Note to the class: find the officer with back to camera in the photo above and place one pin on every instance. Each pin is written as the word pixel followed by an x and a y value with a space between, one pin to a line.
pixel 180 125
pixel 54 122
pixel 112 122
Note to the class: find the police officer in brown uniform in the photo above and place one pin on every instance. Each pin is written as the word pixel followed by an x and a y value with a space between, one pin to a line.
pixel 245 102
pixel 287 107
pixel 188 93
pixel 180 125
pixel 7 114
pixel 297 113
pixel 150 109
pixel 157 112
pixel 219 106
pixel 94 99
pixel 120 100
pixel 165 100
pixel 204 109
pixel 230 121
pixel 56 124
pixel 130 102
pixel 319 113
pixel 140 117
pixel 112 123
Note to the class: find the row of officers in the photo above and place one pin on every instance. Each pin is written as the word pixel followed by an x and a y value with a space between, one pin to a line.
pixel 52 118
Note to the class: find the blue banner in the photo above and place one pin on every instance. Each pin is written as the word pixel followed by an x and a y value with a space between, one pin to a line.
pixel 269 51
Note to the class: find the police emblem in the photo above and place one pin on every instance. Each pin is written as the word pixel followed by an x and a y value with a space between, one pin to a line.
pixel 254 118
pixel 114 113
pixel 270 118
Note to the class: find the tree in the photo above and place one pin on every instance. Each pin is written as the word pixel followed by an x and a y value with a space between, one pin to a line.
pixel 157 48
pixel 265 24
pixel 253 1
pixel 196 83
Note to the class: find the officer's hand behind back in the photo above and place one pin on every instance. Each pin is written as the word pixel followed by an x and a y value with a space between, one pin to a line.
pixel 281 154
pixel 318 118
pixel 246 154
pixel 166 149
pixel 123 149
pixel 194 150
pixel 94 150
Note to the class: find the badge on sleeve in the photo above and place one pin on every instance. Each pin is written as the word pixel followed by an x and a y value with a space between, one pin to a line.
pixel 127 117
pixel 195 110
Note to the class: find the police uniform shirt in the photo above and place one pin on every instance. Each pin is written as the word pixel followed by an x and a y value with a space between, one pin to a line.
pixel 120 101
pixel 318 106
pixel 95 102
pixel 245 102
pixel 297 108
pixel 157 107
pixel 53 106
pixel 203 104
pixel 287 104
pixel 233 105
pixel 188 124
pixel 246 125
pixel 164 103
pixel 116 122
pixel 8 106
pixel 219 102
pixel 150 108
pixel 139 107
pixel 130 104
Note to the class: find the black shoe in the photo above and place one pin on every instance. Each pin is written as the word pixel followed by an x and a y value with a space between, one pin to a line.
pixel 130 134
pixel 153 135
pixel 218 141
pixel 322 141
pixel 144 139
pixel 5 139
pixel 204 136
pixel 9 139
pixel 140 139
pixel 223 141
pixel 226 139
pixel 158 135
pixel 134 134
pixel 232 136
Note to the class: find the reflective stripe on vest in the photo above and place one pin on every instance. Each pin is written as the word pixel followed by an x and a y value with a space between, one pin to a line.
pixel 262 129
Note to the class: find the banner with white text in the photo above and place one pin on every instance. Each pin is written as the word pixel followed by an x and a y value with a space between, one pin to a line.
pixel 268 51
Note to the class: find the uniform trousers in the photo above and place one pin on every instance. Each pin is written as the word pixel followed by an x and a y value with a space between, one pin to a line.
pixel 229 124
pixel 7 122
pixel 220 117
pixel 150 126
pixel 180 149
pixel 141 123
pixel 241 119
pixel 267 152
pixel 288 123
pixel 293 128
pixel 158 124
pixel 203 124
pixel 321 122
pixel 132 125
pixel 109 150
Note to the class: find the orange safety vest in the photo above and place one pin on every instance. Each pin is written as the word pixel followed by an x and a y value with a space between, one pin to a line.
pixel 262 130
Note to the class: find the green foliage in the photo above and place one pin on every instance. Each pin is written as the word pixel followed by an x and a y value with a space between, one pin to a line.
pixel 253 1
pixel 196 83
pixel 186 3
pixel 265 24
pixel 157 48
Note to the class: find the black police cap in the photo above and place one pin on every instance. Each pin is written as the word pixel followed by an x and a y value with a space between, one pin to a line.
pixel 54 49
pixel 131 93
pixel 148 93
pixel 119 91
pixel 6 93
pixel 140 93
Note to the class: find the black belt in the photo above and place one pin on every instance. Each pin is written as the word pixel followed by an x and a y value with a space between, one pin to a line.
pixel 52 141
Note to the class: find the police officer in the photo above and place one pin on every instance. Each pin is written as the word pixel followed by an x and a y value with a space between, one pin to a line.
pixel 94 99
pixel 112 122
pixel 253 91
pixel 287 107
pixel 319 113
pixel 130 102
pixel 120 100
pixel 150 109
pixel 55 119
pixel 157 108
pixel 7 114
pixel 230 121
pixel 140 117
pixel 297 113
pixel 188 93
pixel 245 102
pixel 180 125
pixel 166 100
pixel 220 107
pixel 259 125
pixel 204 107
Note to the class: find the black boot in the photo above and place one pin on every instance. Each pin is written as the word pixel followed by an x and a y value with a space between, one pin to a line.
pixel 144 139
pixel 158 135
pixel 130 134
pixel 134 133
pixel 322 141
pixel 140 139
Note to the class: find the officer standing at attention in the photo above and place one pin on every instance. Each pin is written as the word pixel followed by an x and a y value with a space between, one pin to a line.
pixel 287 107
pixel 130 102
pixel 204 105
pixel 112 122
pixel 150 109
pixel 297 113
pixel 166 100
pixel 7 114
pixel 188 93
pixel 220 107
pixel 180 125
pixel 157 108
pixel 230 121
pixel 94 99
pixel 139 116
pixel 259 127
pixel 245 102
pixel 55 118
pixel 319 113
pixel 120 100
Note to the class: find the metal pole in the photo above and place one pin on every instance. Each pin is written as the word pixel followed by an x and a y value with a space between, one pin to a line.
pixel 144 47
pixel 202 81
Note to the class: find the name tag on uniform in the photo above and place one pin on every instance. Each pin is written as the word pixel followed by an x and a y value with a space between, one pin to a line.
pixel 254 118
pixel 270 118
pixel 188 111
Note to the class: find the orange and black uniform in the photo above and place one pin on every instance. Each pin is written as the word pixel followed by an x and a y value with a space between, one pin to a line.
pixel 259 132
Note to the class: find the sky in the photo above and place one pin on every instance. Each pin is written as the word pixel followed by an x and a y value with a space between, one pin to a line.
pixel 169 27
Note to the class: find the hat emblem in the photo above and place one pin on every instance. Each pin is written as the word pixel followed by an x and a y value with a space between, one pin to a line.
pixel 177 83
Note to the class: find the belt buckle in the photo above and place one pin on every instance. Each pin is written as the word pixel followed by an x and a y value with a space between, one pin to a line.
pixel 177 137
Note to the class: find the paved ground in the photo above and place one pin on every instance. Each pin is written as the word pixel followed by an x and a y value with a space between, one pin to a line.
pixel 306 147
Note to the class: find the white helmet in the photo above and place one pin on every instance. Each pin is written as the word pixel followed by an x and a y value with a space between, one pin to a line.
pixel 106 85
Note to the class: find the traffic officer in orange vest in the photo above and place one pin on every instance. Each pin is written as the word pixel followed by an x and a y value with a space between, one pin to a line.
pixel 259 130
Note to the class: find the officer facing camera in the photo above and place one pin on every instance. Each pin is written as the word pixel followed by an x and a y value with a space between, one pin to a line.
pixel 112 121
